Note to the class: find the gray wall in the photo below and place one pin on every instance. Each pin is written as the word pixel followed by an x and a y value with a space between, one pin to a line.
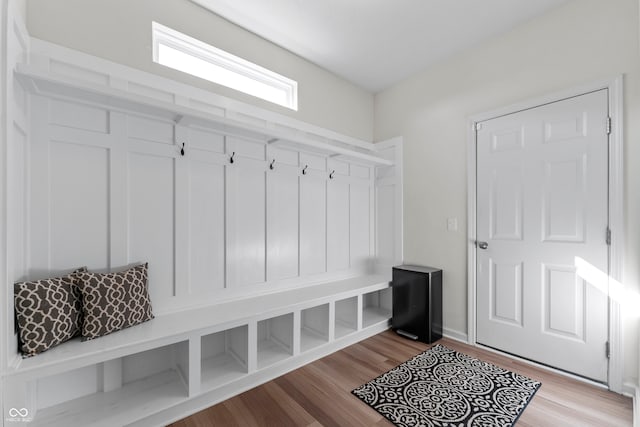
pixel 579 43
pixel 120 31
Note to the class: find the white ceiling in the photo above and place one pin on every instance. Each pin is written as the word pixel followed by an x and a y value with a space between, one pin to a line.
pixel 376 43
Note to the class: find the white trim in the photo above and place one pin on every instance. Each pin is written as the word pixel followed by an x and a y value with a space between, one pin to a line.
pixel 636 407
pixel 398 162
pixel 228 70
pixel 616 208
pixel 455 335
pixel 616 223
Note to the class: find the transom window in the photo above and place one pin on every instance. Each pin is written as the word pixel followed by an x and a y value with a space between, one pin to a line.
pixel 192 56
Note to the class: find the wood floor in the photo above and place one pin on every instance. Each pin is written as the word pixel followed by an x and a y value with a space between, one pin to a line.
pixel 318 394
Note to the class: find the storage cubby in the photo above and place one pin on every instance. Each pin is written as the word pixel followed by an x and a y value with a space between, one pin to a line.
pixel 224 356
pixel 115 391
pixel 376 307
pixel 275 339
pixel 346 316
pixel 314 327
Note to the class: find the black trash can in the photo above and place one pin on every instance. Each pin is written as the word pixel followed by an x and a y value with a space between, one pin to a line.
pixel 417 302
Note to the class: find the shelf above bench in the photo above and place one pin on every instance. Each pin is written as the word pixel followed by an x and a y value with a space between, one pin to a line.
pixel 62 87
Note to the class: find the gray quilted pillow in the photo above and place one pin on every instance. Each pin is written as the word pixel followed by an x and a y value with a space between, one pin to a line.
pixel 114 301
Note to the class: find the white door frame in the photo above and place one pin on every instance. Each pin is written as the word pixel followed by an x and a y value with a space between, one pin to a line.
pixel 616 215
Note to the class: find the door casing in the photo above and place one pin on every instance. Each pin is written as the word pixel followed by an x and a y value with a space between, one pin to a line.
pixel 616 222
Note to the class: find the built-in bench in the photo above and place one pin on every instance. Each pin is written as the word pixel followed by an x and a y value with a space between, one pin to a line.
pixel 194 358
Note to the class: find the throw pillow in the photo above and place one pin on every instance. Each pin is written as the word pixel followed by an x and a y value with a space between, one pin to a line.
pixel 48 312
pixel 114 301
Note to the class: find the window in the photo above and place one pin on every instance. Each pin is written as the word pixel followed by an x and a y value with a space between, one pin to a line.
pixel 183 53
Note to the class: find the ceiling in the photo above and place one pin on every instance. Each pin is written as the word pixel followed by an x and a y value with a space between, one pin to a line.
pixel 377 43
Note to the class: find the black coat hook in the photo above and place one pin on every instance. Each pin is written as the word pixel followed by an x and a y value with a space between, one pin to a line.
pixel 331 174
pixel 182 150
pixel 231 158
pixel 304 170
pixel 271 164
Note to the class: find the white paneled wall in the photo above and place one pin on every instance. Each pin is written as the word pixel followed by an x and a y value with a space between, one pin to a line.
pixel 226 206
pixel 14 155
pixel 232 216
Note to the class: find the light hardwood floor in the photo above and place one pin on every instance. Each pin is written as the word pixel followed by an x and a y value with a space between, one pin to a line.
pixel 318 394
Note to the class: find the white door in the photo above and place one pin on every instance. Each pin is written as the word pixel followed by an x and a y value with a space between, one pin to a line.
pixel 542 217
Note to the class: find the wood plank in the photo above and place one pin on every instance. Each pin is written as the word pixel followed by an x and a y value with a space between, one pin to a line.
pixel 320 392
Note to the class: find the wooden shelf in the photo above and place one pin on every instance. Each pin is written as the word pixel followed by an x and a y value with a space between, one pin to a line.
pixel 275 339
pixel 343 329
pixel 220 370
pixel 271 352
pixel 374 315
pixel 346 316
pixel 62 87
pixel 376 307
pixel 119 407
pixel 310 339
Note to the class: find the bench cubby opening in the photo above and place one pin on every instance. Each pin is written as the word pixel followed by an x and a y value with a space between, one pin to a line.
pixel 115 391
pixel 314 327
pixel 225 356
pixel 346 316
pixel 376 307
pixel 275 340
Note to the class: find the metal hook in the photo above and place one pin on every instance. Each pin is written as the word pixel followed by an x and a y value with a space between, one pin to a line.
pixel 182 150
pixel 271 164
pixel 231 158
pixel 331 174
pixel 304 170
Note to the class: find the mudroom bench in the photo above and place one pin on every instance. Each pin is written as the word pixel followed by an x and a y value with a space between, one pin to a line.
pixel 178 363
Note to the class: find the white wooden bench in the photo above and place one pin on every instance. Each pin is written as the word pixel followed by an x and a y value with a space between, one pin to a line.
pixel 192 359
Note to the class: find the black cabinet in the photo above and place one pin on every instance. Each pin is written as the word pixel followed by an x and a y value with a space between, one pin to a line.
pixel 417 302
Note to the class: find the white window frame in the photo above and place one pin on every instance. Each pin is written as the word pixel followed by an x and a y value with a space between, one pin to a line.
pixel 165 36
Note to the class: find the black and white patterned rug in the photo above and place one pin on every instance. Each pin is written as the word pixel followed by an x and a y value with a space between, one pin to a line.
pixel 442 387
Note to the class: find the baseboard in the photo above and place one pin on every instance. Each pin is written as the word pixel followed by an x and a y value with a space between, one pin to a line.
pixel 248 382
pixel 455 335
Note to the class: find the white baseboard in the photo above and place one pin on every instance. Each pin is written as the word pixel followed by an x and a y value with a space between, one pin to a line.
pixel 455 335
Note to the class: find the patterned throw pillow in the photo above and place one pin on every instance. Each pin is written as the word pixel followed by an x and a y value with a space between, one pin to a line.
pixel 48 312
pixel 114 301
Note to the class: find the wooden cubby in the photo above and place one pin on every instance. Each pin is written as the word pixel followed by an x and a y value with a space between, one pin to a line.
pixel 346 317
pixel 126 388
pixel 224 356
pixel 275 340
pixel 314 327
pixel 376 307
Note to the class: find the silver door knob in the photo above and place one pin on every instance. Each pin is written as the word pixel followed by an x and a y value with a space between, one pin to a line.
pixel 482 245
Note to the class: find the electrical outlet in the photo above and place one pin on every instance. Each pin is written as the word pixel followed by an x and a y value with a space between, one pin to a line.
pixel 452 224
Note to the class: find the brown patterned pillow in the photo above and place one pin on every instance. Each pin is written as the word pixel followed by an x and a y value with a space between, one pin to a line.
pixel 114 301
pixel 48 312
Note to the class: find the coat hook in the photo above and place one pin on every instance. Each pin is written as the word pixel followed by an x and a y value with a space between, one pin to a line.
pixel 231 158
pixel 182 150
pixel 304 170
pixel 331 174
pixel 271 164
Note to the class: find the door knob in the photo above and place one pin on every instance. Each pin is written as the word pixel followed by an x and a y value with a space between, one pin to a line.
pixel 482 245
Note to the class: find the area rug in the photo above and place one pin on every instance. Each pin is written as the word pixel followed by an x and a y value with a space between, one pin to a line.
pixel 442 387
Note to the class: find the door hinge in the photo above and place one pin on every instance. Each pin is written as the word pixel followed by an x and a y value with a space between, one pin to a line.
pixel 608 124
pixel 608 236
pixel 477 126
pixel 608 350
